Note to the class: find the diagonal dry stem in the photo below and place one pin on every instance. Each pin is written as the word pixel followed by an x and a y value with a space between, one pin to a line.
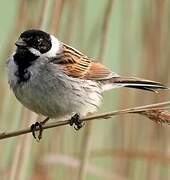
pixel 155 112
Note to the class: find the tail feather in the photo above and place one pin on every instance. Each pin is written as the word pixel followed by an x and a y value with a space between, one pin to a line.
pixel 137 83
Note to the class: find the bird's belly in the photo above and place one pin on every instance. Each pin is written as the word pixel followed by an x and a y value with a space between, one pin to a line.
pixel 58 96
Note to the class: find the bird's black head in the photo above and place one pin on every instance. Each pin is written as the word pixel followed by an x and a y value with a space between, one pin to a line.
pixel 30 46
pixel 35 40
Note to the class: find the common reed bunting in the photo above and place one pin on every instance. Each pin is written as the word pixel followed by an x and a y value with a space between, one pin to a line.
pixel 56 80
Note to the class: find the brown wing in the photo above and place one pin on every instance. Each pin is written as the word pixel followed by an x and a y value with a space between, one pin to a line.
pixel 76 64
pixel 98 71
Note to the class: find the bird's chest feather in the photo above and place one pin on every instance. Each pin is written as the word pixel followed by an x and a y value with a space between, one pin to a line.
pixel 50 92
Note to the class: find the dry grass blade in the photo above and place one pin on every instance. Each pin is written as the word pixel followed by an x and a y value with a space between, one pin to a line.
pixel 107 16
pixel 155 156
pixel 157 115
pixel 72 162
pixel 85 153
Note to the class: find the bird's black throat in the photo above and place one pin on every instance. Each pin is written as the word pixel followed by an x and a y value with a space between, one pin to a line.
pixel 23 58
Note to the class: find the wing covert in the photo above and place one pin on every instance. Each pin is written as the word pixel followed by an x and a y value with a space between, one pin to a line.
pixel 76 64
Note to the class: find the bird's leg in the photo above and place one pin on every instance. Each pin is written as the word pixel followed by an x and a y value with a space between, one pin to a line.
pixel 76 122
pixel 40 126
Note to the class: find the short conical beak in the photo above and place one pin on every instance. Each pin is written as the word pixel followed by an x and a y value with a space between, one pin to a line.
pixel 20 43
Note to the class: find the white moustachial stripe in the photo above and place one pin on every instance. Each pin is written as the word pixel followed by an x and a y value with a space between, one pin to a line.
pixel 35 51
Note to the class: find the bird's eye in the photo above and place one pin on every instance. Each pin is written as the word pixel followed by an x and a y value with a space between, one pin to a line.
pixel 39 41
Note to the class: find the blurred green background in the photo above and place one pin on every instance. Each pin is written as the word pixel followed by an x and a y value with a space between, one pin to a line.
pixel 131 37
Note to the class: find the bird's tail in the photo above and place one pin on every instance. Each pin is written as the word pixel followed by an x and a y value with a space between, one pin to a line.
pixel 131 82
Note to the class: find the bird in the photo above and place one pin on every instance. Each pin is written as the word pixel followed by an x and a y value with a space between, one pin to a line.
pixel 56 80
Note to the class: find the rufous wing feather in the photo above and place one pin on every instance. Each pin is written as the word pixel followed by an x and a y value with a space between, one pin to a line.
pixel 98 71
pixel 76 64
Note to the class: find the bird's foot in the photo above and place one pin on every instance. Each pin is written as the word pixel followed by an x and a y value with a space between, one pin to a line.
pixel 38 126
pixel 34 128
pixel 76 122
